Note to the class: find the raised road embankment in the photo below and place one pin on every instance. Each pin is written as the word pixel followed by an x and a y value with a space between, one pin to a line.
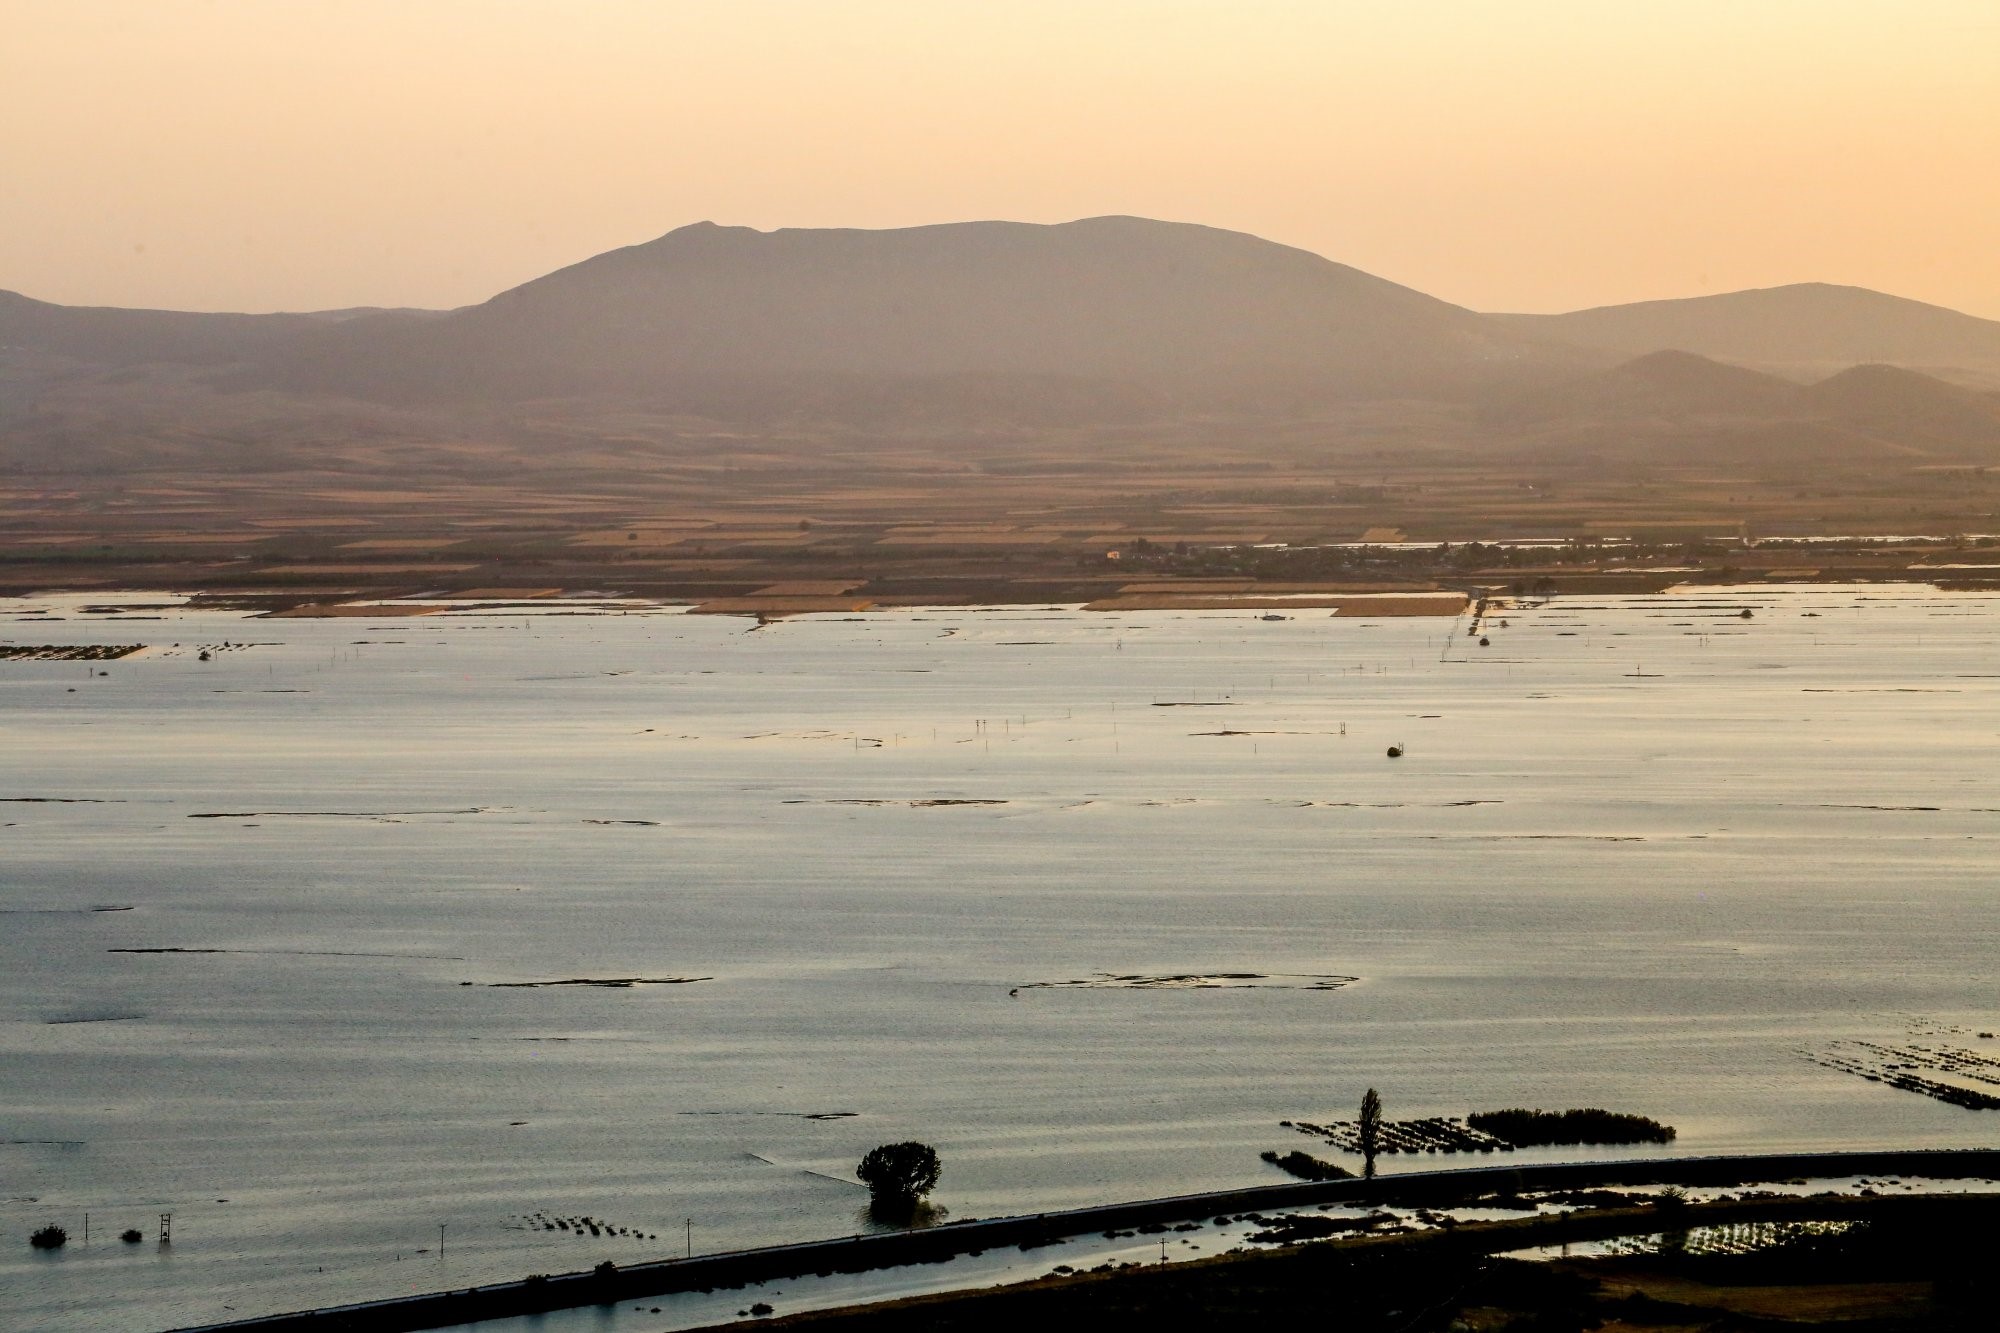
pixel 937 1244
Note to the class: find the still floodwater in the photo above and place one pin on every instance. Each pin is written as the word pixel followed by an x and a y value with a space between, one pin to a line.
pixel 263 917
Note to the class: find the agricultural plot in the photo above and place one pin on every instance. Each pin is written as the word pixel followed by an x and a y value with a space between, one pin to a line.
pixel 1433 1134
pixel 1910 1068
pixel 67 652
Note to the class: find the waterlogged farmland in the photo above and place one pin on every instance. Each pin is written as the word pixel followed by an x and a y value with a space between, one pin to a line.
pixel 587 929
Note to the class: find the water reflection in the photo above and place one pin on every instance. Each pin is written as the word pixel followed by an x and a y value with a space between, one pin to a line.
pixel 899 1215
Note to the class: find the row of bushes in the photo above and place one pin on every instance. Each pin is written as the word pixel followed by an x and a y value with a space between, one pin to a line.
pixel 1535 1129
pixel 1307 1167
pixel 53 1237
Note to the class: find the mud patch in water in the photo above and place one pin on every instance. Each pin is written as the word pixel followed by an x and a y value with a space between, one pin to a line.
pixel 1197 981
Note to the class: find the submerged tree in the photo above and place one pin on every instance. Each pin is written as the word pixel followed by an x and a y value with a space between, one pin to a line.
pixel 899 1174
pixel 1369 1129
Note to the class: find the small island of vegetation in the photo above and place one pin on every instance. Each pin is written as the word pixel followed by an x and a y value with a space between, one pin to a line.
pixel 1307 1167
pixel 898 1176
pixel 1481 1132
pixel 1523 1128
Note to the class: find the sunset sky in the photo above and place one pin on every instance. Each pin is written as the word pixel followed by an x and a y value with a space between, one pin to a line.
pixel 1522 155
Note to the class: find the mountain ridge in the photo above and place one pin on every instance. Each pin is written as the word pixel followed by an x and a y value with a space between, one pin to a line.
pixel 1675 404
pixel 1173 307
pixel 1102 320
pixel 1800 327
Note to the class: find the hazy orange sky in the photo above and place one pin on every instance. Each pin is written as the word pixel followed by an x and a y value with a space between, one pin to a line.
pixel 1520 155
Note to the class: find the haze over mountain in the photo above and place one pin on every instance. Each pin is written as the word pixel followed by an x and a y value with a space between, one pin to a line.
pixel 1663 384
pixel 1105 322
pixel 1160 307
pixel 1674 405
pixel 1811 326
pixel 110 336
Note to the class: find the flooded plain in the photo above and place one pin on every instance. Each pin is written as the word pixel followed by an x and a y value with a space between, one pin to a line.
pixel 360 934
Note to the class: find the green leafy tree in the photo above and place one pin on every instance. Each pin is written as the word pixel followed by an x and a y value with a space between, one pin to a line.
pixel 900 1173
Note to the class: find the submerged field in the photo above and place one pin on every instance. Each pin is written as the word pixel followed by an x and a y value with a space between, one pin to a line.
pixel 585 909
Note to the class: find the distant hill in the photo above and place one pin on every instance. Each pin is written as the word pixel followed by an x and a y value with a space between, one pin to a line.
pixel 1807 326
pixel 1676 406
pixel 109 336
pixel 1107 318
pixel 1135 305
pixel 114 337
pixel 978 329
pixel 1659 384
pixel 1911 406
